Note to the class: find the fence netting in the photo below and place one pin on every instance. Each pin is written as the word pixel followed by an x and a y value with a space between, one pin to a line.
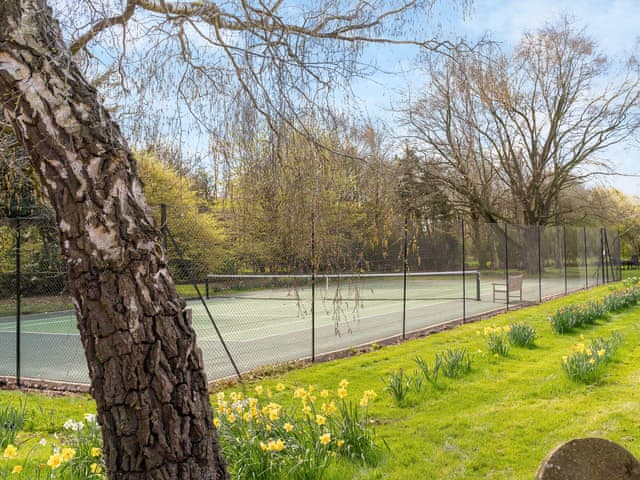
pixel 329 284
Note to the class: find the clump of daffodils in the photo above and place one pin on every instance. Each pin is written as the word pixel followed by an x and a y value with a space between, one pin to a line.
pixel 585 363
pixel 261 436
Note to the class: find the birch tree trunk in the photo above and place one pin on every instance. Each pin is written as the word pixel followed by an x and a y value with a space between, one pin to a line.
pixel 146 371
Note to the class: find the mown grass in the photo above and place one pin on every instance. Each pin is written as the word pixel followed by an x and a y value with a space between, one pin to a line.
pixel 497 422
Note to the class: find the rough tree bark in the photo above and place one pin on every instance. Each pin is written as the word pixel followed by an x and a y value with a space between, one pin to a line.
pixel 146 371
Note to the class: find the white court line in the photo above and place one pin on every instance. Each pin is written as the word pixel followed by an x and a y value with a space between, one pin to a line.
pixel 36 323
pixel 48 334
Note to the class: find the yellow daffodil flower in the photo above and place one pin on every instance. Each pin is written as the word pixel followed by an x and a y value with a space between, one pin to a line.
pixel 10 452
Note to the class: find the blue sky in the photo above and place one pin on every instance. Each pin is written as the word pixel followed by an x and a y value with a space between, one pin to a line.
pixel 613 24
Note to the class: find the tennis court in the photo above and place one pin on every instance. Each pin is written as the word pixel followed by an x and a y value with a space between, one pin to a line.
pixel 279 319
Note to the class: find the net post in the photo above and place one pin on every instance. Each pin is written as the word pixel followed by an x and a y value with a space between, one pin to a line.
pixel 206 287
pixel 18 299
pixel 405 265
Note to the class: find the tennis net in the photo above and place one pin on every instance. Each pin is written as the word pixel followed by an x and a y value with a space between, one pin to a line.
pixel 450 285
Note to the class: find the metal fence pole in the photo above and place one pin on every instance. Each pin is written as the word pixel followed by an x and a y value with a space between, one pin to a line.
pixel 619 257
pixel 506 262
pixel 586 258
pixel 602 255
pixel 405 268
pixel 564 257
pixel 539 264
pixel 313 288
pixel 464 279
pixel 18 299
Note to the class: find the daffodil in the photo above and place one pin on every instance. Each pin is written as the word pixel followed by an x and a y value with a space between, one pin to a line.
pixel 68 453
pixel 288 427
pixel 325 438
pixel 280 387
pixel 216 422
pixel 10 452
pixel 342 392
pixel 321 419
pixel 55 461
pixel 17 469
pixel 96 452
pixel 259 389
pixel 602 352
pixel 95 468
pixel 344 383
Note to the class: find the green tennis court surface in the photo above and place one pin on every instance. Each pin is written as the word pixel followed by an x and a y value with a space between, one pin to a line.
pixel 271 325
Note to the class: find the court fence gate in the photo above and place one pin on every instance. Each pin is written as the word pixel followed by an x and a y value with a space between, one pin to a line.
pixel 249 314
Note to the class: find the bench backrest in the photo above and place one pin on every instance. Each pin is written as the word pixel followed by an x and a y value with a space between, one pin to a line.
pixel 515 282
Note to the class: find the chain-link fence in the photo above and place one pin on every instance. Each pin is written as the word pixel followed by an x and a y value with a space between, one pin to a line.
pixel 323 288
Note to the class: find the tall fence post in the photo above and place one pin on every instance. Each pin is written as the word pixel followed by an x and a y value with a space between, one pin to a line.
pixel 586 258
pixel 18 299
pixel 602 265
pixel 405 269
pixel 506 262
pixel 619 257
pixel 564 258
pixel 538 227
pixel 313 288
pixel 464 279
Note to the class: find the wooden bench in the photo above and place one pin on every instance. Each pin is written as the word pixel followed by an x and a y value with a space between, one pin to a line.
pixel 514 284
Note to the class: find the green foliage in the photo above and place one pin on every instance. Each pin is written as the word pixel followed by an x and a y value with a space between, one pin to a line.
pixel 567 318
pixel 430 373
pixel 398 384
pixel 12 420
pixel 521 335
pixel 454 363
pixel 263 439
pixel 497 341
pixel 74 453
pixel 190 219
pixel 586 364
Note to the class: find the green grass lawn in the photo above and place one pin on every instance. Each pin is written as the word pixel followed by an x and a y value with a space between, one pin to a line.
pixel 497 422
